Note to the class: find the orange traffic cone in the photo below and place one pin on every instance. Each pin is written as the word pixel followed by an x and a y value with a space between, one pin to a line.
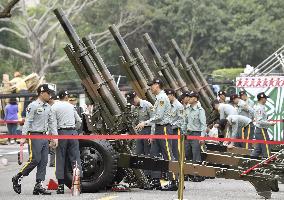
pixel 52 185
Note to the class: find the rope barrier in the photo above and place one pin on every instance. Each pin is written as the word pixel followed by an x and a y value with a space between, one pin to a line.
pixel 132 137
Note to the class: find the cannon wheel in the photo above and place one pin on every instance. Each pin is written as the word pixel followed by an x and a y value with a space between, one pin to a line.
pixel 99 165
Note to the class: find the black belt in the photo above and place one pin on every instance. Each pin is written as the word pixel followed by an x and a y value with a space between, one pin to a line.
pixel 163 124
pixel 39 132
pixel 68 128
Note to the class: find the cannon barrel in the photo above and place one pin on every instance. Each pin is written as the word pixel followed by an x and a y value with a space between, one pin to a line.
pixel 191 75
pixel 161 64
pixel 91 48
pixel 176 73
pixel 143 65
pixel 132 65
pixel 80 49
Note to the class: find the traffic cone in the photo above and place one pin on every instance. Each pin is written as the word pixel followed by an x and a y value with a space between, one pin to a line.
pixel 52 185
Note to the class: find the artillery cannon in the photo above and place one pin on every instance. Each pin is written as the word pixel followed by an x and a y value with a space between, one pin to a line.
pixel 107 161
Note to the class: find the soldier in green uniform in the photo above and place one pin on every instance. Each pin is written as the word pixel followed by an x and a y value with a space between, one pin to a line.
pixel 261 126
pixel 222 96
pixel 243 96
pixel 162 120
pixel 176 113
pixel 246 110
pixel 224 109
pixel 239 128
pixel 194 125
pixel 39 121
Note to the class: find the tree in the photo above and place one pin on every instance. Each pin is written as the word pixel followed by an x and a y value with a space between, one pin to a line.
pixel 40 30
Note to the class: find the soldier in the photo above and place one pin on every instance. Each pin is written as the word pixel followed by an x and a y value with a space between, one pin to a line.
pixel 243 96
pixel 261 125
pixel 68 122
pixel 222 96
pixel 161 119
pixel 39 120
pixel 242 107
pixel 194 125
pixel 240 128
pixel 143 110
pixel 176 113
pixel 73 100
pixel 224 109
pixel 54 98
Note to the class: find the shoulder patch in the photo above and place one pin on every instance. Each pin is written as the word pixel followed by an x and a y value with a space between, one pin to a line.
pixel 162 103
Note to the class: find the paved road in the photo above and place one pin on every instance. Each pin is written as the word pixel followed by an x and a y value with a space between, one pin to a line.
pixel 210 189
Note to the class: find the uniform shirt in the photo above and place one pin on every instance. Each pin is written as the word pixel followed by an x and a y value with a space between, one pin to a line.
pixel 143 111
pixel 161 110
pixel 261 116
pixel 176 113
pixel 39 118
pixel 194 119
pixel 250 102
pixel 236 123
pixel 226 109
pixel 245 109
pixel 66 115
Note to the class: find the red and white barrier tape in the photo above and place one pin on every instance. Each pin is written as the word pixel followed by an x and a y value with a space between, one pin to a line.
pixel 23 120
pixel 131 137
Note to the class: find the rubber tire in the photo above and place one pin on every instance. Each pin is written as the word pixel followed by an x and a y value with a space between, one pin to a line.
pixel 110 158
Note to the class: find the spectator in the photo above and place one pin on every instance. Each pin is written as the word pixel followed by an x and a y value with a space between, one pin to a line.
pixel 11 114
pixel 20 86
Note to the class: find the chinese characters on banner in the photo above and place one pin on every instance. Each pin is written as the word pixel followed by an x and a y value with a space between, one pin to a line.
pixel 273 86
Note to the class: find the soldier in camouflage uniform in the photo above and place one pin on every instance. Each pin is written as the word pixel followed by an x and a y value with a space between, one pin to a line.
pixel 143 110
pixel 261 126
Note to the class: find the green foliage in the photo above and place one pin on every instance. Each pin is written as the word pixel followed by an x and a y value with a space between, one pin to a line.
pixel 216 33
pixel 227 73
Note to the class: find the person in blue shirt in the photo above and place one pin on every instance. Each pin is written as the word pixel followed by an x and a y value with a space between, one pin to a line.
pixel 11 114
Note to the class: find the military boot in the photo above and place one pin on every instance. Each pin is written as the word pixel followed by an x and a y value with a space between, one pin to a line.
pixel 38 189
pixel 17 183
pixel 172 186
pixel 60 189
pixel 154 184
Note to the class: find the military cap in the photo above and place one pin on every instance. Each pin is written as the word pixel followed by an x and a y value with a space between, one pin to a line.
pixel 261 95
pixel 233 96
pixel 184 94
pixel 222 93
pixel 242 93
pixel 46 88
pixel 170 91
pixel 63 93
pixel 72 97
pixel 130 95
pixel 194 94
pixel 156 80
